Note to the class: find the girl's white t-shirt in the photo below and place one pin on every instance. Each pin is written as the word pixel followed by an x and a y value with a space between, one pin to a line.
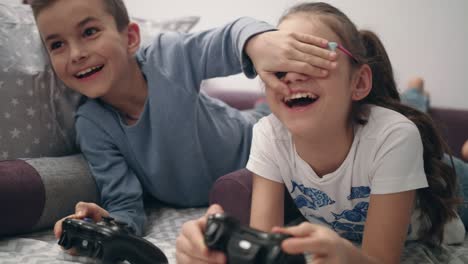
pixel 386 157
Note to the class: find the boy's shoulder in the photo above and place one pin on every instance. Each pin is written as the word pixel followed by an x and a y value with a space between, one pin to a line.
pixel 94 110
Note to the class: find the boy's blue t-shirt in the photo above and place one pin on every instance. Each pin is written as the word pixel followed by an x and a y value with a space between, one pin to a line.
pixel 184 140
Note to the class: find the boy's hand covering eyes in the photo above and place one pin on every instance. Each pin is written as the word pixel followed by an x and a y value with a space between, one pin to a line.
pixel 278 52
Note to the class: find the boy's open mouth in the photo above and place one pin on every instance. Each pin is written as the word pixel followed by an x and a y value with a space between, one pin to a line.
pixel 300 100
pixel 88 72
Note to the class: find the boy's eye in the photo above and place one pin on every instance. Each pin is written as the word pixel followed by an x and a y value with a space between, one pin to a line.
pixel 89 32
pixel 56 45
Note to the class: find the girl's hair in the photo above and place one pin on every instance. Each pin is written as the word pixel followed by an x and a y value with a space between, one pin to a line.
pixel 438 202
pixel 116 8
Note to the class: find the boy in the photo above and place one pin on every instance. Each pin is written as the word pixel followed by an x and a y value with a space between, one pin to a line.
pixel 145 127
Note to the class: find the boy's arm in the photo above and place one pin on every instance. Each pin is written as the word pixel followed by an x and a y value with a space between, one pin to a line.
pixel 120 191
pixel 194 57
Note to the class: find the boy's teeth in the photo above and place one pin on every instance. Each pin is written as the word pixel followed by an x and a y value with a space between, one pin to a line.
pixel 81 73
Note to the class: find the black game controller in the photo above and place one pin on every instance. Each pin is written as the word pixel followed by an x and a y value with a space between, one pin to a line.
pixel 246 245
pixel 109 240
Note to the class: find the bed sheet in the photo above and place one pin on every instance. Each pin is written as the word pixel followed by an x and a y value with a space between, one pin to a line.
pixel 164 225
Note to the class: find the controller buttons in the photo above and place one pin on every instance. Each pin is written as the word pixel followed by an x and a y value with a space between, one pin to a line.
pixel 107 219
pixel 212 228
pixel 84 244
pixel 245 245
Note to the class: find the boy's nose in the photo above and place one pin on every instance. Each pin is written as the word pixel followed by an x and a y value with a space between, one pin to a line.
pixel 291 77
pixel 77 54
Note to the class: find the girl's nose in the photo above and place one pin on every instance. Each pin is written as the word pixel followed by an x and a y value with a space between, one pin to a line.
pixel 291 77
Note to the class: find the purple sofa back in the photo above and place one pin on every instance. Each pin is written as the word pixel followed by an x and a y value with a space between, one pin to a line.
pixel 453 124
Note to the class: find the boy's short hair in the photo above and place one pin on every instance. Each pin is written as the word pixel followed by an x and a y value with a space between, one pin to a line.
pixel 116 8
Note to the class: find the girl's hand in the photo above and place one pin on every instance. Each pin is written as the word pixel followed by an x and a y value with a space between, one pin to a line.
pixel 325 244
pixel 190 244
pixel 279 51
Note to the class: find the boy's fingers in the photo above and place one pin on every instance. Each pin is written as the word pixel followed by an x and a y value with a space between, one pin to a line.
pixel 90 210
pixel 58 228
pixel 310 39
pixel 272 82
pixel 58 225
pixel 314 60
pixel 323 53
pixel 307 69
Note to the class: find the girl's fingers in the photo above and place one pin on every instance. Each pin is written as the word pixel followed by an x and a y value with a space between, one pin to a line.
pixel 183 258
pixel 192 231
pixel 191 243
pixel 297 245
pixel 214 209
pixel 302 230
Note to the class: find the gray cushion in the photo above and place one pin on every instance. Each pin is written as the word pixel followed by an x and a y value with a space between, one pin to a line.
pixel 37 123
pixel 36 109
pixel 38 192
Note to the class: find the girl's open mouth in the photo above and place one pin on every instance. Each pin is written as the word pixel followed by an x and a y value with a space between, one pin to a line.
pixel 300 100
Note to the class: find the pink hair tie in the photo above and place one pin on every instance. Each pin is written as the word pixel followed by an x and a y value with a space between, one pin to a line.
pixel 333 46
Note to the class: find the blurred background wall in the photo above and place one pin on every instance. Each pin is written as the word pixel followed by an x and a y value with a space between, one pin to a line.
pixel 428 38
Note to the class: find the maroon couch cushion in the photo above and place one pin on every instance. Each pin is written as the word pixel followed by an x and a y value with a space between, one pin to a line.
pixel 453 124
pixel 22 197
pixel 233 192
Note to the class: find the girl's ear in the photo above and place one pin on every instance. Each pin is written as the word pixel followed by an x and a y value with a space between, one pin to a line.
pixel 133 34
pixel 362 83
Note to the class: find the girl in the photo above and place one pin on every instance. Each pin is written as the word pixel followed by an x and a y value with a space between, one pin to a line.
pixel 353 159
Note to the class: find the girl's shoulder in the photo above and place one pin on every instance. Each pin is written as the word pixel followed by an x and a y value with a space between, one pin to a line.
pixel 271 127
pixel 383 121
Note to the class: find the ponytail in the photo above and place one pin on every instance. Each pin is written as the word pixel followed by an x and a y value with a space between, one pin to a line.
pixel 437 203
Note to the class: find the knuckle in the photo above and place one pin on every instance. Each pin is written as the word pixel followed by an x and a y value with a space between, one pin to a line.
pixel 79 204
pixel 292 34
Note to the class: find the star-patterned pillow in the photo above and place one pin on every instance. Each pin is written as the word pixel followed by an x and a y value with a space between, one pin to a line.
pixel 36 109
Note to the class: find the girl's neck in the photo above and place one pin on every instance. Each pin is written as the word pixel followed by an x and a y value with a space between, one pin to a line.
pixel 325 152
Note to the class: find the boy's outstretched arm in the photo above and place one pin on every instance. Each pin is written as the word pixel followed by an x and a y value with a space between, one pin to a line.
pixel 237 47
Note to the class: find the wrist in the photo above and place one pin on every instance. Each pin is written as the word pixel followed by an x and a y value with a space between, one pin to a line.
pixel 356 255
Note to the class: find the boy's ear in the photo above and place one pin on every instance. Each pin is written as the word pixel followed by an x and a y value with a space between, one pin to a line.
pixel 133 32
pixel 362 83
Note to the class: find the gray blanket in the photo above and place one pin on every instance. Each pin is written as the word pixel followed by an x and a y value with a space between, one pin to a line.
pixel 164 224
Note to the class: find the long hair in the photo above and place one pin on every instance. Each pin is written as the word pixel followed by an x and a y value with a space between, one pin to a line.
pixel 438 202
